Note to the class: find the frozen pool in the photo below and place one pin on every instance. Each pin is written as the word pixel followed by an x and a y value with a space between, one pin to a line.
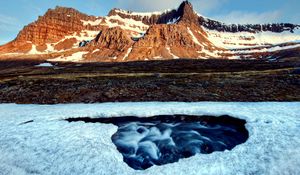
pixel 159 140
pixel 36 139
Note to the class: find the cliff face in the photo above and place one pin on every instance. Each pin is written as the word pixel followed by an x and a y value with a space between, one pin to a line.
pixel 53 26
pixel 130 36
pixel 219 26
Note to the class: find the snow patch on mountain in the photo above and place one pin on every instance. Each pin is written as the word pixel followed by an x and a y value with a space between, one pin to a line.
pixel 75 57
pixel 143 14
pixel 246 39
pixel 203 48
pixel 92 23
pixel 173 21
pixel 125 23
pixel 34 51
pixel 173 55
pixel 263 50
pixel 127 53
pixel 193 36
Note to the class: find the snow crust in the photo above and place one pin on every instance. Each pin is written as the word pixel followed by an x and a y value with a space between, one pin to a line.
pixel 49 145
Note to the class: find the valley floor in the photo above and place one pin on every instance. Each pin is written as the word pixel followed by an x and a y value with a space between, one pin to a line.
pixel 176 80
pixel 35 139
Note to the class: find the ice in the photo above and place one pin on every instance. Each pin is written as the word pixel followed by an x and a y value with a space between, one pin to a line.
pixel 161 140
pixel 49 145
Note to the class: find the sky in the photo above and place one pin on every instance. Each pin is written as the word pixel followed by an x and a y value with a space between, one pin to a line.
pixel 15 14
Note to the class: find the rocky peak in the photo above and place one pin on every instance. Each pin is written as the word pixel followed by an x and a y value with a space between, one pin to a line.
pixel 65 13
pixel 187 13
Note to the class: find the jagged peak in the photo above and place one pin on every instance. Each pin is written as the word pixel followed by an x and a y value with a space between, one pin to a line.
pixel 186 5
pixel 186 12
pixel 64 10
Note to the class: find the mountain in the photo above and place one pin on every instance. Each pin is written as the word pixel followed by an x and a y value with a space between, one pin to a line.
pixel 65 34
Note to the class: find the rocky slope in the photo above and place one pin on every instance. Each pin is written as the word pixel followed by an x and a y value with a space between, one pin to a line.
pixel 65 34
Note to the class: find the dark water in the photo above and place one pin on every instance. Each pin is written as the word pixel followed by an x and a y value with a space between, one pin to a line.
pixel 160 140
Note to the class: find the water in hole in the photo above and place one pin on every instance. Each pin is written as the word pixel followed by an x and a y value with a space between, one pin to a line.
pixel 160 140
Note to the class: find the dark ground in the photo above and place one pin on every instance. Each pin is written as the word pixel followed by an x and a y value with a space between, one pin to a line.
pixel 176 80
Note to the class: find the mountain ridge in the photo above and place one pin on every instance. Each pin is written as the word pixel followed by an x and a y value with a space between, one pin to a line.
pixel 128 36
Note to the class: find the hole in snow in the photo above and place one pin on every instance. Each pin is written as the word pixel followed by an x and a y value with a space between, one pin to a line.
pixel 160 140
pixel 24 123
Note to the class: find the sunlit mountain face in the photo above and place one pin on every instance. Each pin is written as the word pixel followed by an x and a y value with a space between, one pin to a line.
pixel 65 34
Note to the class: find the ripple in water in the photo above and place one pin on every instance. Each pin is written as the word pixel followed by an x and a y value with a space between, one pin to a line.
pixel 160 140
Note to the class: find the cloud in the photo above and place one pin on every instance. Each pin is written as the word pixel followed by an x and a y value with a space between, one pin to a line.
pixel 295 18
pixel 155 5
pixel 204 6
pixel 242 17
pixel 4 41
pixel 32 6
pixel 8 23
pixel 148 5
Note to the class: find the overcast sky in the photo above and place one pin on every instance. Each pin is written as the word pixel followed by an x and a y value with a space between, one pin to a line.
pixel 14 14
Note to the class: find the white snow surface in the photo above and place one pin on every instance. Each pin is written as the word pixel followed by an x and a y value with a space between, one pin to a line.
pixel 193 37
pixel 84 35
pixel 75 57
pixel 33 50
pixel 92 23
pixel 203 50
pixel 143 14
pixel 271 49
pixel 127 53
pixel 126 24
pixel 50 145
pixel 244 39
